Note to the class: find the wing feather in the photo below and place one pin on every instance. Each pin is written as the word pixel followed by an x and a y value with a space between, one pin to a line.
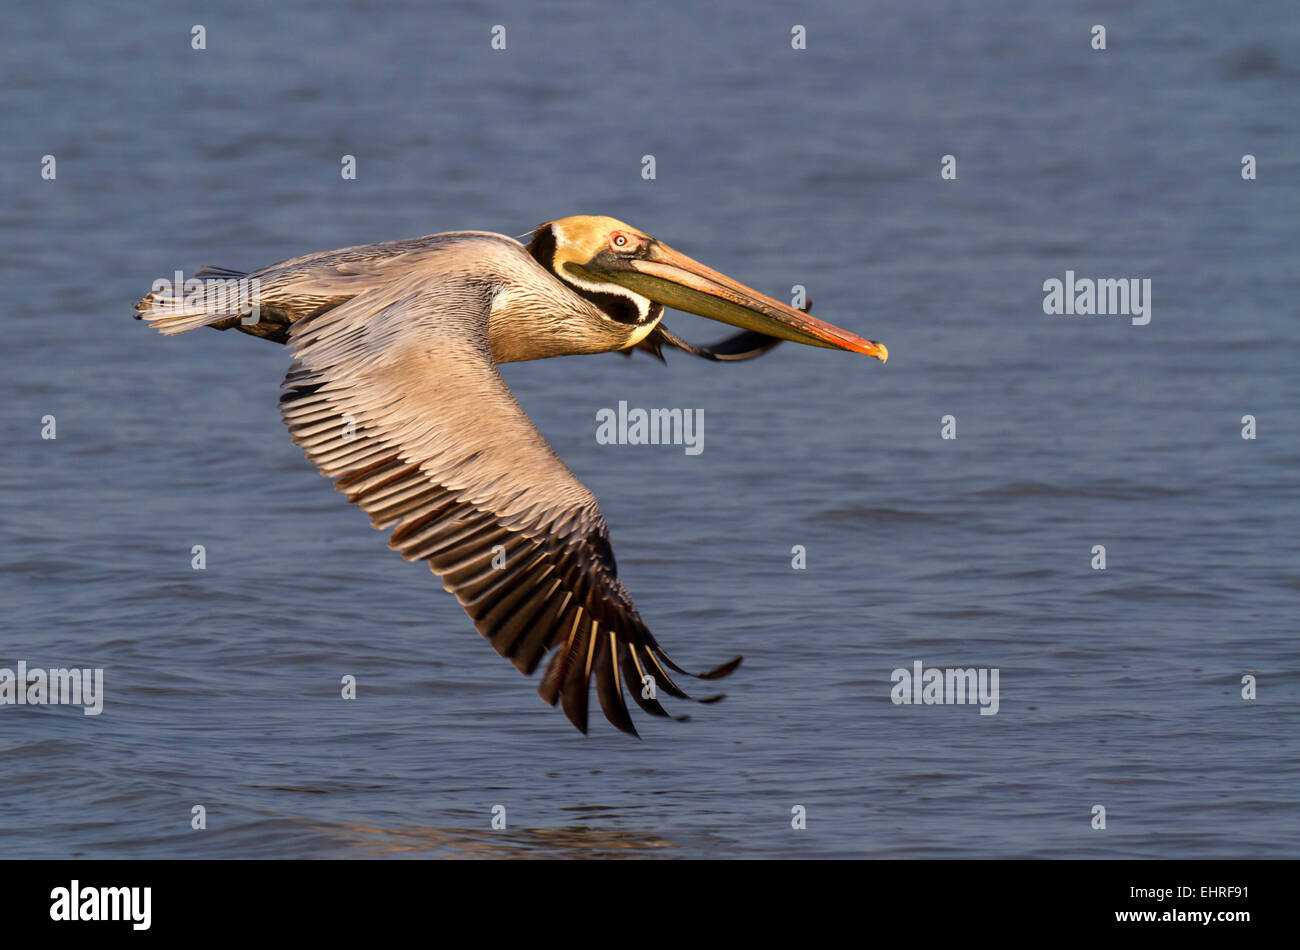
pixel 393 393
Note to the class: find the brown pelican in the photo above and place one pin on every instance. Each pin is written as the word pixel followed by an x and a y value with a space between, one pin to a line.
pixel 394 393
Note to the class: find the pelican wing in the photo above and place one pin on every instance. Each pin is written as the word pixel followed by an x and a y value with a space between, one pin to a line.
pixel 394 395
pixel 744 345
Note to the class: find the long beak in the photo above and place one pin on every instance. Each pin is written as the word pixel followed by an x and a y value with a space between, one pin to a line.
pixel 677 281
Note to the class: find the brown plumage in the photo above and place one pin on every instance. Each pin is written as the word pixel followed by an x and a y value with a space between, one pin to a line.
pixel 393 393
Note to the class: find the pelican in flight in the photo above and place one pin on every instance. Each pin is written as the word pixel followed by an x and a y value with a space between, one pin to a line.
pixel 394 393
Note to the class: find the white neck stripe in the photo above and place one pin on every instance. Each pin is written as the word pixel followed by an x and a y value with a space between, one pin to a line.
pixel 642 303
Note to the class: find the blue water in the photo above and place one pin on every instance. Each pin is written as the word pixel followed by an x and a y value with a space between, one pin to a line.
pixel 779 167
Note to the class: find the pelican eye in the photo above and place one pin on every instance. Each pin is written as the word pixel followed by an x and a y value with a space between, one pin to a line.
pixel 622 242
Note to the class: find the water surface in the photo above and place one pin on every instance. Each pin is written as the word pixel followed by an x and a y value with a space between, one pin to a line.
pixel 819 168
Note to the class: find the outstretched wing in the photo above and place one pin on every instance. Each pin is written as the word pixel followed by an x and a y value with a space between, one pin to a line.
pixel 394 395
pixel 744 345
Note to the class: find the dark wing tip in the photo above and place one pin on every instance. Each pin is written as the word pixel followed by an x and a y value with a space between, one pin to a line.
pixel 739 346
pixel 718 672
pixel 651 343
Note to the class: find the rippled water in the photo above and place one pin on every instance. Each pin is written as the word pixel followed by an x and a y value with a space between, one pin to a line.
pixel 819 167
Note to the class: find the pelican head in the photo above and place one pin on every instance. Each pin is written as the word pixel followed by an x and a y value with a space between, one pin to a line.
pixel 633 277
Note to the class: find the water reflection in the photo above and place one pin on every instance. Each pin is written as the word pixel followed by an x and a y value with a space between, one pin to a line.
pixel 579 841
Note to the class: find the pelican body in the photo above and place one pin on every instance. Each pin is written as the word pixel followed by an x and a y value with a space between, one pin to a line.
pixel 393 392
